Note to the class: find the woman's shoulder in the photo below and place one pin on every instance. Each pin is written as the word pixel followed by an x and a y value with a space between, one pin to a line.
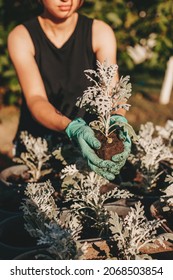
pixel 104 39
pixel 19 38
pixel 102 30
pixel 17 32
pixel 98 26
pixel 21 29
pixel 101 26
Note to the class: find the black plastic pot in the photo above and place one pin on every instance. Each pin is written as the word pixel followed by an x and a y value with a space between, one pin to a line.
pixel 168 255
pixel 37 254
pixel 11 194
pixel 4 214
pixel 14 239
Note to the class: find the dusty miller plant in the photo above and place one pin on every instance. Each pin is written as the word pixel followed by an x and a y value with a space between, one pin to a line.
pixel 35 157
pixel 135 233
pixel 150 151
pixel 105 97
pixel 166 132
pixel 43 221
pixel 68 154
pixel 82 188
pixel 168 197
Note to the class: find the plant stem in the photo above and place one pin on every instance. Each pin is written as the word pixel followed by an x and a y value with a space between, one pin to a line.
pixel 107 124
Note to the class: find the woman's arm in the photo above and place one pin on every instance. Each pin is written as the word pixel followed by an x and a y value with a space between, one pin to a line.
pixel 104 42
pixel 22 52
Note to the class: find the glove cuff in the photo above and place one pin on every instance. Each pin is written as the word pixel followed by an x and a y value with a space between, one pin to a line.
pixel 119 118
pixel 73 126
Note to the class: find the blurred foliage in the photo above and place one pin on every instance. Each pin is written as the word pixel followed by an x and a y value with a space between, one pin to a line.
pixel 11 13
pixel 7 75
pixel 132 21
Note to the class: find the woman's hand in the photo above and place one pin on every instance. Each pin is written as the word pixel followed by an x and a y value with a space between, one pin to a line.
pixel 121 158
pixel 83 135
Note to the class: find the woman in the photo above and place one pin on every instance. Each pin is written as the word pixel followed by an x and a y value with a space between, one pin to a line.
pixel 50 54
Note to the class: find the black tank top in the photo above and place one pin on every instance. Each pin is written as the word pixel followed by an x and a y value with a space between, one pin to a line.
pixel 62 71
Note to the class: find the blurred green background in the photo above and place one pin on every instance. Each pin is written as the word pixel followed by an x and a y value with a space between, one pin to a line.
pixel 143 30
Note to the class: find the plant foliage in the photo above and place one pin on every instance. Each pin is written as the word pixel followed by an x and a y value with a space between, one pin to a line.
pixel 82 189
pixel 35 157
pixel 43 222
pixel 106 96
pixel 150 151
pixel 168 198
pixel 134 233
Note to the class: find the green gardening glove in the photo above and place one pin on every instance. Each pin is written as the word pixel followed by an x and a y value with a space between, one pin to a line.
pixel 121 158
pixel 83 135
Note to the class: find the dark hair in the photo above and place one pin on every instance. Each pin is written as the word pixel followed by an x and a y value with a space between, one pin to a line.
pixel 81 2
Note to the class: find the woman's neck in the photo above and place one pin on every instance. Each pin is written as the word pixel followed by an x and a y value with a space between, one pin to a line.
pixel 52 23
pixel 60 30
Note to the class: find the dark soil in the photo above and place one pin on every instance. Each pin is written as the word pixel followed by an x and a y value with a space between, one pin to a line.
pixel 108 150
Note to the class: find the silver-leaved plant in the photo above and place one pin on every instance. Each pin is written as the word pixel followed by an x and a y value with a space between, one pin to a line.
pixel 166 132
pixel 105 97
pixel 82 189
pixel 43 221
pixel 135 235
pixel 168 197
pixel 35 157
pixel 150 151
